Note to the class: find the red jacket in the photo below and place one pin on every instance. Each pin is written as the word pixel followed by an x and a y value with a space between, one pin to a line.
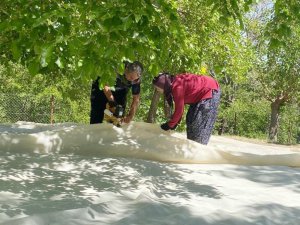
pixel 189 89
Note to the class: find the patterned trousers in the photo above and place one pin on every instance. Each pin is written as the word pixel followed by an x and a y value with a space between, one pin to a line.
pixel 201 117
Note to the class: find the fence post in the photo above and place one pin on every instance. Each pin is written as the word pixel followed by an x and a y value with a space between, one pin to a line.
pixel 52 109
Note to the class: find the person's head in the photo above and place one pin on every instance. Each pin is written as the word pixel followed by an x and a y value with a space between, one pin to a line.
pixel 163 81
pixel 133 71
pixel 163 84
pixel 159 82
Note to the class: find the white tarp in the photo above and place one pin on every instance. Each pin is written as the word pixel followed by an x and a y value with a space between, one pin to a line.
pixel 72 174
pixel 137 140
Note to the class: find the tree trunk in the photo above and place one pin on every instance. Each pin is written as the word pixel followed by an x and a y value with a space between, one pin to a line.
pixel 154 104
pixel 274 124
pixel 235 124
pixel 52 109
pixel 167 109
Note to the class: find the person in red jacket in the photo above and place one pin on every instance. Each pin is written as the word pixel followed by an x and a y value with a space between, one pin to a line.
pixel 201 93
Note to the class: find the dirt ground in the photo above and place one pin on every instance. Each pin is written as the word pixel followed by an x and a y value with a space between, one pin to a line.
pixel 243 142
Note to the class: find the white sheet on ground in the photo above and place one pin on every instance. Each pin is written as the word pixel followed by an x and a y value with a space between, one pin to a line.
pixel 137 140
pixel 96 174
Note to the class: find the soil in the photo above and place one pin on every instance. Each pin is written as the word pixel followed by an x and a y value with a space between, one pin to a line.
pixel 240 140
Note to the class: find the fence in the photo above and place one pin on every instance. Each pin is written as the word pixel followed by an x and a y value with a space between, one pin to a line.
pixel 15 108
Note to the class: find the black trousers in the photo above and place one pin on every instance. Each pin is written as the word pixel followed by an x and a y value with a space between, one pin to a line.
pixel 99 100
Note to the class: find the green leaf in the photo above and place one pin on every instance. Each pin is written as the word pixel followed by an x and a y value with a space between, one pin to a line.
pixel 5 25
pixel 114 36
pixel 46 55
pixel 137 17
pixel 154 69
pixel 112 23
pixel 127 23
pixel 210 2
pixel 110 51
pixel 155 32
pixel 16 51
pixel 129 53
pixel 116 21
pixel 33 67
pixel 41 21
pixel 284 30
pixel 59 63
pixel 274 43
pixel 37 48
pixel 218 69
pixel 224 20
pixel 173 17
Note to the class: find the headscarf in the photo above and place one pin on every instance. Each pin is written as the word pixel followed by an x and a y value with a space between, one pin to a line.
pixel 164 81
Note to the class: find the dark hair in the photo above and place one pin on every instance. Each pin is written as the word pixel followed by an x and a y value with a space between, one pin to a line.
pixel 126 63
pixel 136 66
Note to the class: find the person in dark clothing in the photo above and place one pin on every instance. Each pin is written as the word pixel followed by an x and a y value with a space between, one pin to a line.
pixel 131 79
pixel 201 92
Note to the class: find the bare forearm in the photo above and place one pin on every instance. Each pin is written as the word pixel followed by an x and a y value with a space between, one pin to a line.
pixel 133 108
pixel 108 93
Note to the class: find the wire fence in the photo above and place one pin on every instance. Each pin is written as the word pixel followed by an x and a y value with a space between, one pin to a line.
pixel 29 108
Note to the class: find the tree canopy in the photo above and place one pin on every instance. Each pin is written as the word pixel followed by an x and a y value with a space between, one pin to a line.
pixel 84 39
pixel 87 38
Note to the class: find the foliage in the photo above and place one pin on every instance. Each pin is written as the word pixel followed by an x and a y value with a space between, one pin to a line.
pixel 246 117
pixel 90 38
pixel 289 130
pixel 28 98
pixel 277 66
pixel 283 20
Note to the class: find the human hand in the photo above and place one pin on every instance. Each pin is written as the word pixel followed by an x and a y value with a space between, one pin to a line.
pixel 165 126
pixel 112 104
pixel 126 119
